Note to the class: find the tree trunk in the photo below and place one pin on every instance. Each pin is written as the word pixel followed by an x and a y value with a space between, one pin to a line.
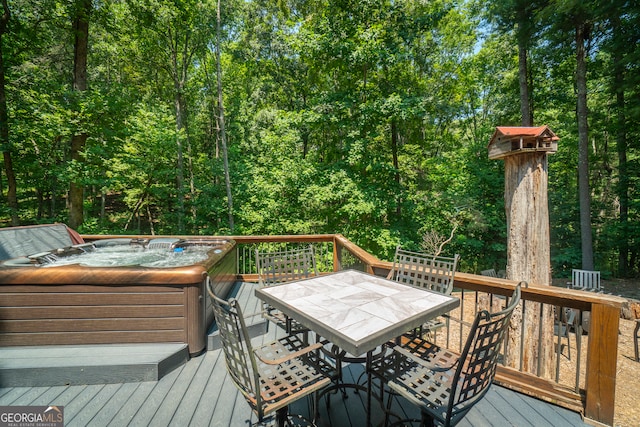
pixel 528 258
pixel 525 104
pixel 223 134
pixel 396 164
pixel 179 105
pixel 583 148
pixel 12 187
pixel 78 141
pixel 622 144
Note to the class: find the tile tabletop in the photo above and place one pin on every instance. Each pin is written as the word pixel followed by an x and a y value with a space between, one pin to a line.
pixel 354 310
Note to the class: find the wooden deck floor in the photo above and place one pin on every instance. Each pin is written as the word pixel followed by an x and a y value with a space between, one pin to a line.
pixel 199 393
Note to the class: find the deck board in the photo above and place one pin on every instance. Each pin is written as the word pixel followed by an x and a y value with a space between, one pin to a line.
pixel 200 393
pixel 124 414
pixel 106 414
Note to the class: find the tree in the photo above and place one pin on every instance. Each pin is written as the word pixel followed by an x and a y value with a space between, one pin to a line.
pixel 583 28
pixel 521 17
pixel 222 128
pixel 621 46
pixel 82 11
pixel 576 18
pixel 12 198
pixel 172 36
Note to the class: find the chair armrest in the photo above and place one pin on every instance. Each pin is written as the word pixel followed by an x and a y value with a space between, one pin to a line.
pixel 289 356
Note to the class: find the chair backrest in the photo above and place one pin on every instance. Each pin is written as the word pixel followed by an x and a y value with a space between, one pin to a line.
pixel 423 270
pixel 238 352
pixel 285 266
pixel 489 273
pixel 479 359
pixel 586 279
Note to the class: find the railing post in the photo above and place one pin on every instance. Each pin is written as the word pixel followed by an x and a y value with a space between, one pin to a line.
pixel 337 258
pixel 602 363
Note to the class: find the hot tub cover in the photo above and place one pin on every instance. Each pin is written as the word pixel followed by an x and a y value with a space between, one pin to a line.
pixel 28 240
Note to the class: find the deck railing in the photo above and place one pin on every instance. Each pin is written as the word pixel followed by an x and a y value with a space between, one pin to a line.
pixel 584 383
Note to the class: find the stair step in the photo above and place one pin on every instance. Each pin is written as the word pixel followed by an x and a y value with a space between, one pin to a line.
pixel 39 366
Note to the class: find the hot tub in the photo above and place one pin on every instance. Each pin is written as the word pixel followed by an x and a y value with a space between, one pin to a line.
pixel 115 290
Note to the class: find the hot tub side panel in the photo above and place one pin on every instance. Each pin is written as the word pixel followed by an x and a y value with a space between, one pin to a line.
pixel 96 314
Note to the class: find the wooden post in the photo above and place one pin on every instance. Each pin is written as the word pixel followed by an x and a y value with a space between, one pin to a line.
pixel 524 150
pixel 337 255
pixel 602 363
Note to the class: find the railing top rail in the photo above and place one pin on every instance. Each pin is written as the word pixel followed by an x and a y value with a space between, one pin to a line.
pixel 356 250
pixel 239 239
pixel 546 294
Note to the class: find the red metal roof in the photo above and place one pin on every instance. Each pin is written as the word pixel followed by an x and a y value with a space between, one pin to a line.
pixel 524 131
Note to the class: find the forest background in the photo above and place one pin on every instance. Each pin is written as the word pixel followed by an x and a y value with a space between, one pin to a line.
pixel 369 118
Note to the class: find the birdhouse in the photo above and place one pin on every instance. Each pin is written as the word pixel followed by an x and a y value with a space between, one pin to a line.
pixel 507 141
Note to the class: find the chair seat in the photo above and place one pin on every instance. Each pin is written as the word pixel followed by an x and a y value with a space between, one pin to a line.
pixel 297 376
pixel 283 321
pixel 429 390
pixel 427 352
pixel 430 352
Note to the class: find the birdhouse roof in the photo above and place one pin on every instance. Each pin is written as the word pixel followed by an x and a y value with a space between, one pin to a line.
pixel 513 132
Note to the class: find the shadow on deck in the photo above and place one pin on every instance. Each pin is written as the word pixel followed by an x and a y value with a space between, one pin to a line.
pixel 199 393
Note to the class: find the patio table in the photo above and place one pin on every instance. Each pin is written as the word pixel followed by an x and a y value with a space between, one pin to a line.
pixel 356 311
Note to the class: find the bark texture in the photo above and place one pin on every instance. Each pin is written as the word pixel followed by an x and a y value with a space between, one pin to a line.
pixel 528 258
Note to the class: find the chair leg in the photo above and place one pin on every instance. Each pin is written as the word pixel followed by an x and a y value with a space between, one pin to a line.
pixel 635 339
pixel 427 420
pixel 281 416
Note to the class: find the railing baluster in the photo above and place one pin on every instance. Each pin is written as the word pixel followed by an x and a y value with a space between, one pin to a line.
pixel 540 346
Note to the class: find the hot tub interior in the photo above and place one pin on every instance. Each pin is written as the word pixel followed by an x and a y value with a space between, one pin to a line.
pixel 120 252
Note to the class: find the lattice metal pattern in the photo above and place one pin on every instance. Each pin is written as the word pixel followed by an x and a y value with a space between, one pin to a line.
pixel 286 266
pixel 280 267
pixel 432 272
pixel 236 346
pixel 427 271
pixel 445 386
pixel 274 375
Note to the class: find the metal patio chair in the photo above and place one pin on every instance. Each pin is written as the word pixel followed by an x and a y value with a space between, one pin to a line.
pixel 276 374
pixel 565 320
pixel 443 384
pixel 280 267
pixel 585 280
pixel 427 271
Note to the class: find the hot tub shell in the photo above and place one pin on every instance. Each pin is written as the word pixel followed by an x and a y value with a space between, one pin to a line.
pixel 77 304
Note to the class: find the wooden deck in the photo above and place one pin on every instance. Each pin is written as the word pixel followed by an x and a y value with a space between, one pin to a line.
pixel 199 393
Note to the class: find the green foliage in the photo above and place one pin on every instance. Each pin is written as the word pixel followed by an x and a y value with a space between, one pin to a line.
pixel 368 118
